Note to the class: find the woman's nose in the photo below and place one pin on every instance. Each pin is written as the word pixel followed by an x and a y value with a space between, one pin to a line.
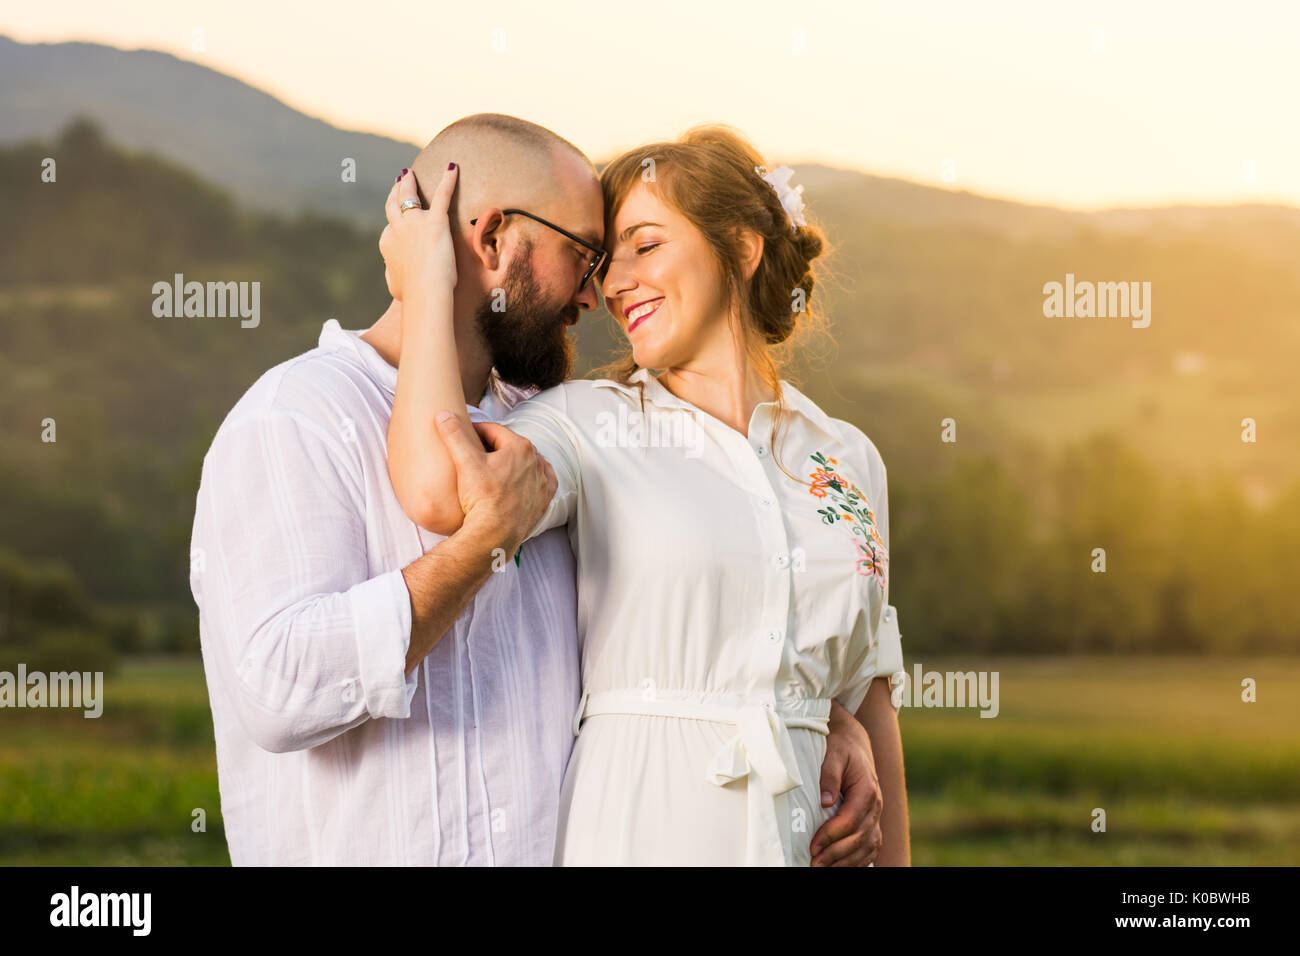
pixel 618 280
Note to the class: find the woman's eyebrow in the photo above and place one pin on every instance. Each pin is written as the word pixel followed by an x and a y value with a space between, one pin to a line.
pixel 626 234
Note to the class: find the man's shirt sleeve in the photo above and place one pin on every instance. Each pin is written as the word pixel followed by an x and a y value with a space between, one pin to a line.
pixel 307 641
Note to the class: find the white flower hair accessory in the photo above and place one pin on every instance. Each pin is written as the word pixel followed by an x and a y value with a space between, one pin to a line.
pixel 791 198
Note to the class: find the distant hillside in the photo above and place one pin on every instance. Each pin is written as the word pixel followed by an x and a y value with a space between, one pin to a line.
pixel 244 139
pixel 933 319
pixel 267 155
pixel 934 294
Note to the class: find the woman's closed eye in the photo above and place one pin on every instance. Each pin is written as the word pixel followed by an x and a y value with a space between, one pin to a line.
pixel 642 250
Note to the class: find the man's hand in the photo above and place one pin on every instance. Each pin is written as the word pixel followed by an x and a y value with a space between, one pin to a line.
pixel 853 836
pixel 506 488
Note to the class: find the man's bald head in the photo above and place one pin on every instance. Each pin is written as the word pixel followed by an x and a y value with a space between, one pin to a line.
pixel 519 283
pixel 507 162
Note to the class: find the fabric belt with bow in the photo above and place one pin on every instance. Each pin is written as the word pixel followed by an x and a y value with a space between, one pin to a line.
pixel 761 751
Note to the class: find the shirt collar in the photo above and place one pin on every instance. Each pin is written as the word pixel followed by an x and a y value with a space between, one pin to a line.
pixel 500 397
pixel 336 338
pixel 654 391
pixel 657 393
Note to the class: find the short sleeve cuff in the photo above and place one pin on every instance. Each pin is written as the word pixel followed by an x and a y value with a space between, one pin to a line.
pixel 884 660
pixel 381 618
pixel 554 516
pixel 889 658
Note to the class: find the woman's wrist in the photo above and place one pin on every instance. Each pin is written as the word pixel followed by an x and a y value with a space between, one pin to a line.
pixel 427 302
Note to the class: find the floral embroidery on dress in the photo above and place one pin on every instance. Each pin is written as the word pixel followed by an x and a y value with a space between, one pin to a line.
pixel 846 502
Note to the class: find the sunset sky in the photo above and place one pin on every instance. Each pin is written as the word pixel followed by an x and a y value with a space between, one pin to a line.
pixel 1085 105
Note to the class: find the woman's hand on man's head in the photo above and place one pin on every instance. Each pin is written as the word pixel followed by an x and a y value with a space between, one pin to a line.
pixel 419 254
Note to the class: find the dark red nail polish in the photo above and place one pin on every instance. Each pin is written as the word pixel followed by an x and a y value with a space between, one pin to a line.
pixel 451 165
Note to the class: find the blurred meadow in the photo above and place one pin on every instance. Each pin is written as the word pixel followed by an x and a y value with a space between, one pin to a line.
pixel 1186 772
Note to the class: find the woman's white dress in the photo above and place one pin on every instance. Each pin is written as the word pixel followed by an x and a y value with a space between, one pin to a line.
pixel 721 606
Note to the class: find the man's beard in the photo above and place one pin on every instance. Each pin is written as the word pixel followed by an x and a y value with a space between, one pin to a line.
pixel 527 340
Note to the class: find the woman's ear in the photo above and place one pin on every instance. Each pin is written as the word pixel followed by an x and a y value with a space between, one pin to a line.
pixel 751 251
pixel 485 240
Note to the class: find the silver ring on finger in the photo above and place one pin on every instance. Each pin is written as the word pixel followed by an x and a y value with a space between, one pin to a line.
pixel 409 204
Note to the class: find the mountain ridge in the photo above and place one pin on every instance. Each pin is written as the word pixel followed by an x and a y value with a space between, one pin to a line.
pixel 247 139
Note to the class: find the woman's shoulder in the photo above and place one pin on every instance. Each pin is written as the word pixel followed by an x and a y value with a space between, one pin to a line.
pixel 847 438
pixel 579 400
pixel 859 440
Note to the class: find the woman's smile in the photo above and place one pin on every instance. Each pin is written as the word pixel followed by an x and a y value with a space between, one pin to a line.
pixel 642 311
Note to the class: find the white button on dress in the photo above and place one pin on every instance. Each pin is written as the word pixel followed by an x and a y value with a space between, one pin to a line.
pixel 709 662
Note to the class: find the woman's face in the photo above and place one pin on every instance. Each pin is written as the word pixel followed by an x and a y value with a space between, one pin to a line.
pixel 663 284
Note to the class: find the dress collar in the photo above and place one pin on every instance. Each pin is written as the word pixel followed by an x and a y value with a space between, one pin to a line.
pixel 657 393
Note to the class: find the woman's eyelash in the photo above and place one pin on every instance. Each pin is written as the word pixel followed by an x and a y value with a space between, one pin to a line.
pixel 646 248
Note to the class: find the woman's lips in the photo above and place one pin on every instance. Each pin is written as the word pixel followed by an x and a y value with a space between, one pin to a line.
pixel 645 311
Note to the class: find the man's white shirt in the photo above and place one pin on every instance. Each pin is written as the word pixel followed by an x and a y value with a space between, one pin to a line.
pixel 327 753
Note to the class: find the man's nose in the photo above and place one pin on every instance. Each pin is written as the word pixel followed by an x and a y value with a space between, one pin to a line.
pixel 587 297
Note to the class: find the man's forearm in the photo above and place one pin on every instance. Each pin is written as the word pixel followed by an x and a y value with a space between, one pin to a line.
pixel 878 716
pixel 444 581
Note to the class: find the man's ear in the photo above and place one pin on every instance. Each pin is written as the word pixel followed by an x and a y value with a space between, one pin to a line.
pixel 751 251
pixel 485 239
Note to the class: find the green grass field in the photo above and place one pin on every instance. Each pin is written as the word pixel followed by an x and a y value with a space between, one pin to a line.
pixel 1186 772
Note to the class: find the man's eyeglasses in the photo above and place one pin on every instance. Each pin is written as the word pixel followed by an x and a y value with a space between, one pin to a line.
pixel 597 252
